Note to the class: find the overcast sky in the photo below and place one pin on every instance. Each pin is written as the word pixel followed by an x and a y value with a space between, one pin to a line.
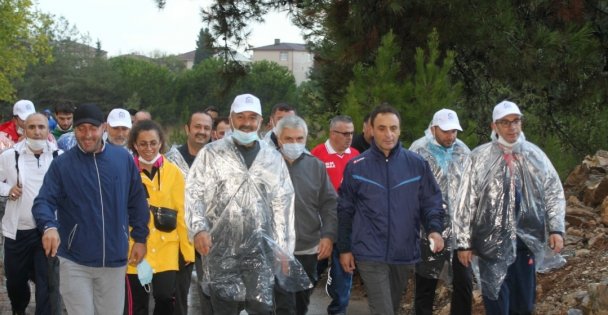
pixel 127 26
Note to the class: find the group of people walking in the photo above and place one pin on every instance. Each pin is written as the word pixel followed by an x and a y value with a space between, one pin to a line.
pixel 260 218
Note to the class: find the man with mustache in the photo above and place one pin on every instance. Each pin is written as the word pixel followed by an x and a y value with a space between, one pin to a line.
pixel 445 154
pixel 198 132
pixel 240 214
pixel 119 125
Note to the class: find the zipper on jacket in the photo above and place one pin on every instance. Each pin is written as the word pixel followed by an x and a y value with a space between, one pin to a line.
pixel 388 211
pixel 103 223
pixel 71 236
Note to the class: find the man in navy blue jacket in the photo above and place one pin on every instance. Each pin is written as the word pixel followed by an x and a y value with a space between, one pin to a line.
pixel 386 193
pixel 89 198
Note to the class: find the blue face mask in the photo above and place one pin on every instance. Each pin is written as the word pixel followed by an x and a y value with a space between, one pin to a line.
pixel 145 274
pixel 244 137
pixel 292 151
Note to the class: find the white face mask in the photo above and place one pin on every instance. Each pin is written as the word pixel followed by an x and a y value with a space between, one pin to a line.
pixel 142 160
pixel 19 130
pixel 292 151
pixel 243 137
pixel 36 144
pixel 505 143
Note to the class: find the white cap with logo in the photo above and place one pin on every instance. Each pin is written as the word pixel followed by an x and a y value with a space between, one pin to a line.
pixel 246 103
pixel 446 119
pixel 23 108
pixel 503 109
pixel 119 117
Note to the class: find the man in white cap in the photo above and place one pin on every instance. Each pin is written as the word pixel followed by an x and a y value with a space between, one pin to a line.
pixel 445 155
pixel 119 125
pixel 239 211
pixel 13 129
pixel 511 210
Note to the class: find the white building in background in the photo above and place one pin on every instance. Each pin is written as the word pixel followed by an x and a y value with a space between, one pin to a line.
pixel 294 57
pixel 188 58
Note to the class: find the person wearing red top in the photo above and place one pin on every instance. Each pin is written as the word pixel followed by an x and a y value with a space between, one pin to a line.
pixel 335 153
pixel 13 129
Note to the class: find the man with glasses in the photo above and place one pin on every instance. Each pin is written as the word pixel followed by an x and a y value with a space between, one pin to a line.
pixel 335 153
pixel 512 208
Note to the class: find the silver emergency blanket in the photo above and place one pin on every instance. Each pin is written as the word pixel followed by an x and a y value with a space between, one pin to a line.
pixel 176 157
pixel 249 214
pixel 447 165
pixel 486 220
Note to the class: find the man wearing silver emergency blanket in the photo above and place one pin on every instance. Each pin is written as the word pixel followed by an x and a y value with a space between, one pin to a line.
pixel 446 155
pixel 512 206
pixel 240 215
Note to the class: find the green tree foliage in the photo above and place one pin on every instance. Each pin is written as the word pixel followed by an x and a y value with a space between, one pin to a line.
pixel 416 96
pixel 270 82
pixel 201 87
pixel 361 96
pixel 76 75
pixel 152 83
pixel 23 41
pixel 547 56
pixel 431 87
pixel 204 46
pixel 312 106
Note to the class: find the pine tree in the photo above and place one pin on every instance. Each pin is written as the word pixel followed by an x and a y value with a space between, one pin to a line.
pixel 204 46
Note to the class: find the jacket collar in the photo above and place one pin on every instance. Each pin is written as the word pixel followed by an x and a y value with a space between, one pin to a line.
pixel 103 148
pixel 376 150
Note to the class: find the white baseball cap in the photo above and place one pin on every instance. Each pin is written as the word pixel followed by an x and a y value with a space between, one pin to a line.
pixel 23 108
pixel 119 117
pixel 446 119
pixel 246 103
pixel 503 109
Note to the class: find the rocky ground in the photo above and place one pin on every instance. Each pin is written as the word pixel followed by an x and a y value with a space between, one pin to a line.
pixel 581 285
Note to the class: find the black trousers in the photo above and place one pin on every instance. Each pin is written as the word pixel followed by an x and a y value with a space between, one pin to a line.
pixel 290 303
pixel 163 290
pixel 223 307
pixel 462 293
pixel 182 286
pixel 24 260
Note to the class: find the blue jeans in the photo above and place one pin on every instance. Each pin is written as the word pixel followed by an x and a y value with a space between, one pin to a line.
pixel 338 285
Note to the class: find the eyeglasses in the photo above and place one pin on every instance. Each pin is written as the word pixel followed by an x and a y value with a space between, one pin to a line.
pixel 152 144
pixel 508 123
pixel 345 134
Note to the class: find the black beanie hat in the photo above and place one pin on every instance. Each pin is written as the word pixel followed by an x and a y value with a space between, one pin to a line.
pixel 88 113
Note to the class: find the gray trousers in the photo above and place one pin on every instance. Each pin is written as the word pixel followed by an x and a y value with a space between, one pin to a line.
pixel 385 285
pixel 91 290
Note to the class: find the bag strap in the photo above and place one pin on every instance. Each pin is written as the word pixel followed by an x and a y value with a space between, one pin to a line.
pixel 55 155
pixel 17 166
